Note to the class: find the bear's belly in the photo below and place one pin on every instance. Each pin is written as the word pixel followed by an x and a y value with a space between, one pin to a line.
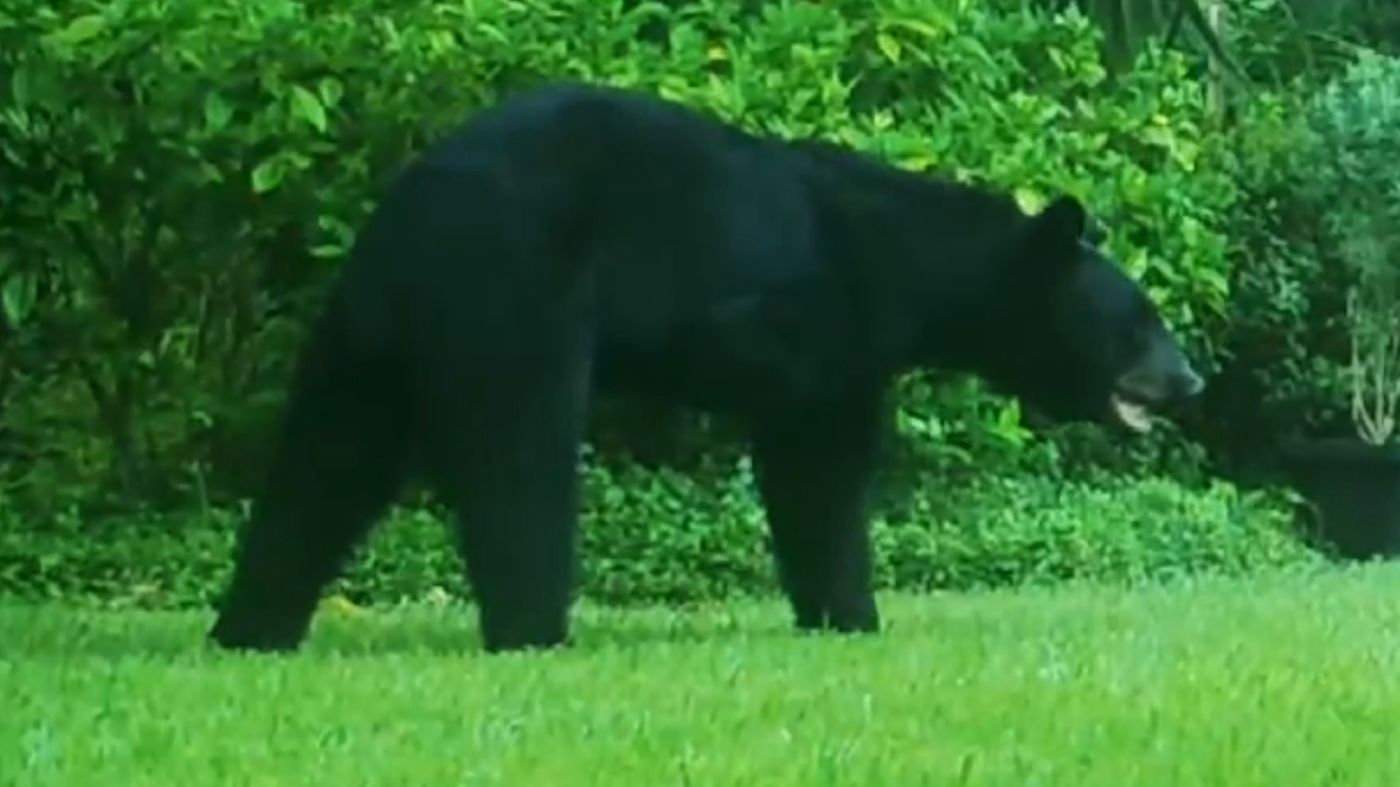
pixel 688 377
pixel 733 368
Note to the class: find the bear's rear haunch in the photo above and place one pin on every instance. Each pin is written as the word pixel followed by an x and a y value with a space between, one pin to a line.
pixel 580 241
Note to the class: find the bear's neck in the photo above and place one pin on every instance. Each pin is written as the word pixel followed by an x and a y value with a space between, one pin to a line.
pixel 923 258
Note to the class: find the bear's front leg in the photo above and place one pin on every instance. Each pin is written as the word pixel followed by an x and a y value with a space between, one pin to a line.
pixel 503 454
pixel 814 469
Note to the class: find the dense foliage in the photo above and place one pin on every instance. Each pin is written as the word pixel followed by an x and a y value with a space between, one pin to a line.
pixel 181 177
pixel 177 206
pixel 1297 230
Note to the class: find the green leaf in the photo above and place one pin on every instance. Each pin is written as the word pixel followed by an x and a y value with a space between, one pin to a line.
pixel 20 91
pixel 492 32
pixel 308 107
pixel 889 45
pixel 268 175
pixel 18 298
pixel 79 30
pixel 1030 199
pixel 331 91
pixel 916 26
pixel 217 112
pixel 31 85
pixel 1213 281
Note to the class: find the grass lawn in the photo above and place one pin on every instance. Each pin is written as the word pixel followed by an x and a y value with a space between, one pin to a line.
pixel 1282 680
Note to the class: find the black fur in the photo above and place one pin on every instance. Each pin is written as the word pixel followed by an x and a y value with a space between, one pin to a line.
pixel 582 240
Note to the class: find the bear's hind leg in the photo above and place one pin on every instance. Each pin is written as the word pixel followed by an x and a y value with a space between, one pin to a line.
pixel 339 464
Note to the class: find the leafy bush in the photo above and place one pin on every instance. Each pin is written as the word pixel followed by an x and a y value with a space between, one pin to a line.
pixel 167 208
pixel 172 210
pixel 1354 162
pixel 1354 157
pixel 643 543
pixel 1283 343
pixel 1020 531
pixel 1313 167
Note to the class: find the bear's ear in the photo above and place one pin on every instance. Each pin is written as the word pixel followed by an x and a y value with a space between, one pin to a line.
pixel 1064 221
pixel 1051 242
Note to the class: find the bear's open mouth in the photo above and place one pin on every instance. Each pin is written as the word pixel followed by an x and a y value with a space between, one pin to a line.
pixel 1131 413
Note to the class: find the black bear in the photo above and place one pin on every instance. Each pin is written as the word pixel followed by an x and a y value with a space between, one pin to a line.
pixel 579 241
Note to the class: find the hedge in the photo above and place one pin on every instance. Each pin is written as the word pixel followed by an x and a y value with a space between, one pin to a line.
pixel 662 538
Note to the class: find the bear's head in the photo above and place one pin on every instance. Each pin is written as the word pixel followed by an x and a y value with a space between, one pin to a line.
pixel 1076 338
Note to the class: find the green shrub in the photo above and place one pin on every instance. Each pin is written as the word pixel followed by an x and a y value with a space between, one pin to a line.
pixel 173 205
pixel 1353 166
pixel 643 542
pixel 1316 167
pixel 172 210
pixel 1022 531
pixel 1283 344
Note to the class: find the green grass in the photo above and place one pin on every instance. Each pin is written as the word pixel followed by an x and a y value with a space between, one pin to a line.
pixel 1281 680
